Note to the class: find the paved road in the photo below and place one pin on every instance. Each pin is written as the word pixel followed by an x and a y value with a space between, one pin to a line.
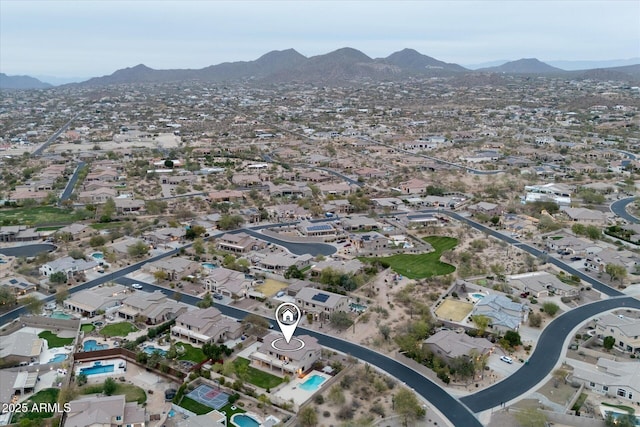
pixel 294 247
pixel 38 151
pixel 72 182
pixel 619 207
pixel 27 251
pixel 456 412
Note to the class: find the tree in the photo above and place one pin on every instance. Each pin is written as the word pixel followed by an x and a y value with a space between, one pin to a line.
pixel 341 320
pixel 81 379
pixel 336 395
pixel 385 331
pixel 58 278
pixel 168 164
pixel 579 229
pixel 230 222
pixel 482 322
pixel 622 420
pixel 97 241
pixel 138 249
pixel 550 308
pixel 593 232
pixel 76 254
pixel 108 210
pixel 194 232
pixel 616 272
pixel 33 305
pixel 308 416
pixel 7 297
pixel 559 375
pixel 406 404
pixel 61 295
pixel 109 386
pixel 293 273
pixel 198 246
pixel 608 342
pixel 535 320
pixel 495 220
pixel 213 351
pixel 531 417
pixel 512 338
pixel 160 275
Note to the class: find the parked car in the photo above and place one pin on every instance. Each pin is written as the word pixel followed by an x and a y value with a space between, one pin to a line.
pixel 218 296
pixel 506 359
pixel 136 286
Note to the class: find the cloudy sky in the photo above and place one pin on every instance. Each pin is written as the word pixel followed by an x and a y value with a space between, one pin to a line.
pixel 85 38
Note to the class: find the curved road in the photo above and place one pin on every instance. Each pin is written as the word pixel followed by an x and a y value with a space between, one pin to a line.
pixel 540 364
pixel 619 207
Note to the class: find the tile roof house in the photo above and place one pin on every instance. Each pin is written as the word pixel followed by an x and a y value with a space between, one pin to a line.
pixel 321 304
pixel 504 314
pixel 88 302
pixel 541 283
pixel 206 325
pixel 66 265
pixel 449 344
pixel 227 282
pixel 625 330
pixel 175 268
pixel 239 243
pixel 20 346
pixel 154 308
pixel 291 358
pixel 611 378
pixel 104 411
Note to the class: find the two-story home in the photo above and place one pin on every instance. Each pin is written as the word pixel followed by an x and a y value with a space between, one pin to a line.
pixel 66 265
pixel 205 325
pixel 321 304
pixel 174 268
pixel 239 243
pixel 287 357
pixel 625 330
pixel 619 380
pixel 227 282
pixel 280 262
pixel 152 308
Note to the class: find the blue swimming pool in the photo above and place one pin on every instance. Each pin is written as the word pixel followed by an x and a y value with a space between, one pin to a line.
pixel 209 265
pixel 151 349
pixel 60 315
pixel 97 369
pixel 477 296
pixel 312 383
pixel 92 345
pixel 242 420
pixel 97 255
pixel 58 358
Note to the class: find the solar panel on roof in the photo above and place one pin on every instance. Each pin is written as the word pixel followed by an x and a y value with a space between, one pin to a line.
pixel 13 281
pixel 320 297
pixel 320 227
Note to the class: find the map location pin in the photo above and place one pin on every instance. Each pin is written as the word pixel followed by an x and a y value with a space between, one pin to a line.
pixel 288 316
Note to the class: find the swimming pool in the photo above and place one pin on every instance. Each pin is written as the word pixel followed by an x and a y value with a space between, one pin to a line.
pixel 97 255
pixel 151 349
pixel 92 345
pixel 243 420
pixel 477 296
pixel 209 265
pixel 60 315
pixel 60 357
pixel 312 383
pixel 97 369
pixel 357 307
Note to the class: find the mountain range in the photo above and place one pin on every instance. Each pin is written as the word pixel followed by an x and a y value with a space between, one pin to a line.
pixel 340 66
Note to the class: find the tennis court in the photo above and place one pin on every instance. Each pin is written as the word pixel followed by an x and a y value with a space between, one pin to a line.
pixel 209 396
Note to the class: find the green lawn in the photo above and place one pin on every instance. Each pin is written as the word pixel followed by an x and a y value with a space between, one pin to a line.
pixel 227 409
pixel 39 215
pixel 191 353
pixel 106 225
pixel 256 376
pixel 132 393
pixel 87 327
pixel 53 340
pixel 195 407
pixel 420 266
pixel 48 395
pixel 121 329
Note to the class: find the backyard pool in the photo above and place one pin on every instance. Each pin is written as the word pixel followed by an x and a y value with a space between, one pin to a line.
pixel 209 265
pixel 61 357
pixel 243 420
pixel 478 296
pixel 92 345
pixel 60 315
pixel 97 369
pixel 97 255
pixel 312 383
pixel 357 307
pixel 151 349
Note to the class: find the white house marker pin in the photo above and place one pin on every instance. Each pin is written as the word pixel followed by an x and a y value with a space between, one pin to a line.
pixel 288 316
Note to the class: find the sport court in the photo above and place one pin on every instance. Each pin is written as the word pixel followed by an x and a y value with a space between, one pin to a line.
pixel 209 396
pixel 454 311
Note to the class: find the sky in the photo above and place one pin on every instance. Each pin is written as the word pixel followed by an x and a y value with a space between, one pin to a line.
pixel 85 38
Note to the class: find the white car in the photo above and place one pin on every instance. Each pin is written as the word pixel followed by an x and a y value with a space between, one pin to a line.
pixel 136 286
pixel 506 359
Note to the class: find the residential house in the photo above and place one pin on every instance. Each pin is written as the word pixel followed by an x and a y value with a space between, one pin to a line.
pixel 625 330
pixel 18 233
pixel 358 223
pixel 164 236
pixel 226 196
pixel 125 205
pixel 201 326
pixel 584 215
pixel 67 265
pixel 486 208
pixel 312 229
pixel 540 284
pixel 321 304
pixel 210 419
pixel 504 314
pixel 287 357
pixel 227 282
pixel 598 261
pixel 153 308
pixel 450 345
pixel 20 346
pixel 102 298
pixel 175 268
pixel 352 266
pixel 76 230
pixel 239 243
pixel 413 186
pixel 280 262
pixel 371 241
pixel 618 380
pixel 104 411
pixel 97 196
pixel 17 286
